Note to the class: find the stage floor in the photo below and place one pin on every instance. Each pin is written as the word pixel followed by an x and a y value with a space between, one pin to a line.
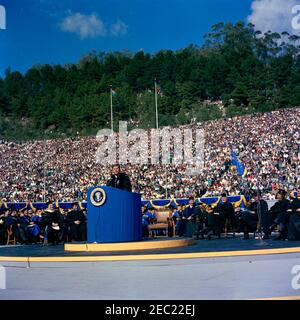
pixel 233 277
pixel 200 246
pixel 213 269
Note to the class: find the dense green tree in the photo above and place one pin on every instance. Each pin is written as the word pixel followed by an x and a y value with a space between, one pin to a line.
pixel 247 70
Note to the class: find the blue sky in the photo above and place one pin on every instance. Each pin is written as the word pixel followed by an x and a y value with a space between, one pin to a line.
pixel 62 31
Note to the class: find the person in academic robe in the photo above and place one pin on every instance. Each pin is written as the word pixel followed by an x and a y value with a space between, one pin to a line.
pixel 214 224
pixel 84 212
pixel 200 219
pixel 77 223
pixel 11 223
pixel 65 232
pixel 119 180
pixel 146 216
pixel 43 224
pixel 2 228
pixel 256 217
pixel 226 211
pixel 177 218
pixel 189 218
pixel 170 221
pixel 280 215
pixel 294 221
pixel 153 220
pixel 54 224
pixel 33 227
pixel 23 221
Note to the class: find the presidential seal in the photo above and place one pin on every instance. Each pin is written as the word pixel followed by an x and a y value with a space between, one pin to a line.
pixel 98 197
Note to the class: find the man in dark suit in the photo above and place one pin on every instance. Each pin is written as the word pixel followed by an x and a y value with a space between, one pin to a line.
pixel 119 180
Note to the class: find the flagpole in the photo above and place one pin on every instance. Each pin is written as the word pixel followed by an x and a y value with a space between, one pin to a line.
pixel 156 116
pixel 111 110
pixel 44 169
pixel 156 110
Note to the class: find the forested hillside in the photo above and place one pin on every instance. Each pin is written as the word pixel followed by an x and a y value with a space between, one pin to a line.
pixel 237 65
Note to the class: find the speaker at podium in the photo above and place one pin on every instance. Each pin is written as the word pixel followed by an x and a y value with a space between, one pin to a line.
pixel 113 215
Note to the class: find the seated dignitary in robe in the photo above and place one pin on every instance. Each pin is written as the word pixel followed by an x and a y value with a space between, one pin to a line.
pixel 2 228
pixel 33 227
pixel 23 221
pixel 294 222
pixel 189 217
pixel 214 223
pixel 280 215
pixel 256 217
pixel 54 224
pixel 11 223
pixel 226 211
pixel 146 218
pixel 177 218
pixel 77 223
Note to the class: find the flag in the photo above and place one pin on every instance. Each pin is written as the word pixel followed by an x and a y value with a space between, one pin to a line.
pixel 113 92
pixel 158 89
pixel 238 165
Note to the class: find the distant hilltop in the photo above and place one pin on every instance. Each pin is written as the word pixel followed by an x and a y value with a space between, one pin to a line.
pixel 236 71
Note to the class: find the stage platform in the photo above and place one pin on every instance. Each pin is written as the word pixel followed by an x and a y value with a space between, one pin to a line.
pixel 149 244
pixel 188 249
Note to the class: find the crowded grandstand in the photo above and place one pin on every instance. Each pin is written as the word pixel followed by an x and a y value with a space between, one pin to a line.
pixel 63 169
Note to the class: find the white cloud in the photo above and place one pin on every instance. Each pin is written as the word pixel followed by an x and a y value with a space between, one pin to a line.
pixel 119 28
pixel 86 26
pixel 274 15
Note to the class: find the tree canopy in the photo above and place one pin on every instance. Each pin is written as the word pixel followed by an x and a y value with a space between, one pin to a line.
pixel 247 70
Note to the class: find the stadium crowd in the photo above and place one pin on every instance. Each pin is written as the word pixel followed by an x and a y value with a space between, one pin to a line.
pixel 63 169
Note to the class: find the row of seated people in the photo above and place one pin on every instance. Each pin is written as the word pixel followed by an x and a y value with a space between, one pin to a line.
pixel 206 221
pixel 42 226
pixel 55 226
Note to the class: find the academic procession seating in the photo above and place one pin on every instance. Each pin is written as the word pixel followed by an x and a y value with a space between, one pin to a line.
pixel 162 206
pixel 164 221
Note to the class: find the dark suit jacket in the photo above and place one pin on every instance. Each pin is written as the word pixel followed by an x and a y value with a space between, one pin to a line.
pixel 120 181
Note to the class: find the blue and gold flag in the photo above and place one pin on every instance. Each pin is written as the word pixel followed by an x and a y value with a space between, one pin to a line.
pixel 238 165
